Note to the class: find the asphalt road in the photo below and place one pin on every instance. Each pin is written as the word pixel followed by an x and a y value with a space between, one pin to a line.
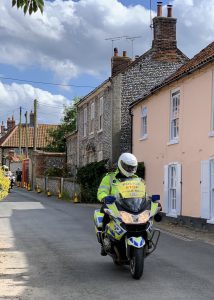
pixel 48 251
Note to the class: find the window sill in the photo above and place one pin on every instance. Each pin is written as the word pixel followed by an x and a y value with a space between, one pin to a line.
pixel 173 142
pixel 144 138
pixel 211 221
pixel 211 133
pixel 91 135
pixel 99 131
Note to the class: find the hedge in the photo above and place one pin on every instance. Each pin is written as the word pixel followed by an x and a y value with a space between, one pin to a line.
pixel 90 176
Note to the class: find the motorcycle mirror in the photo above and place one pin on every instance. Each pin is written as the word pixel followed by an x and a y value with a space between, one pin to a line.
pixel 155 198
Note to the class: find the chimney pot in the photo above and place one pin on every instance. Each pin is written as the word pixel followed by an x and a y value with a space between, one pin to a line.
pixel 159 9
pixel 124 53
pixel 115 52
pixel 169 11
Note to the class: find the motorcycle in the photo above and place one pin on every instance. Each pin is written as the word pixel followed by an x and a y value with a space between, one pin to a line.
pixel 129 236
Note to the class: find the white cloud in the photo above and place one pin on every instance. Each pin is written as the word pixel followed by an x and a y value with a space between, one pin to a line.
pixel 69 40
pixel 50 107
pixel 195 28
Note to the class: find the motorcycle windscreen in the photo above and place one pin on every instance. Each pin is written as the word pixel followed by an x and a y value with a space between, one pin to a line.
pixel 131 188
pixel 134 205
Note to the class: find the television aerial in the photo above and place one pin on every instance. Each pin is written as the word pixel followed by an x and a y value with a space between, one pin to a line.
pixel 132 39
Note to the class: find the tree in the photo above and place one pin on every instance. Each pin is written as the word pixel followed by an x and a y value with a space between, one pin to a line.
pixel 30 6
pixel 68 125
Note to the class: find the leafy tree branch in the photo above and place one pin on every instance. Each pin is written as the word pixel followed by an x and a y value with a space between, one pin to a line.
pixel 29 6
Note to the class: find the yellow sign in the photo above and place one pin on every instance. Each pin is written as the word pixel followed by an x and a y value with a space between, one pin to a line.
pixel 133 188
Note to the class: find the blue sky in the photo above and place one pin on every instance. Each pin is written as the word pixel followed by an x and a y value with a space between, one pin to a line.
pixel 70 46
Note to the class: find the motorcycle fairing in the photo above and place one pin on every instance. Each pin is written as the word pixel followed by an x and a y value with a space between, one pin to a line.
pixel 98 218
pixel 114 230
pixel 137 242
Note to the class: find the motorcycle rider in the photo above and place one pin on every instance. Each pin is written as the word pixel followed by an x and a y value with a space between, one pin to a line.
pixel 107 191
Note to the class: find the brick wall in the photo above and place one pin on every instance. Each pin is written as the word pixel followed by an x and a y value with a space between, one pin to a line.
pixel 46 160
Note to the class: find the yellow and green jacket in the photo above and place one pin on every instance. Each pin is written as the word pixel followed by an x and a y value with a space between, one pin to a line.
pixel 108 185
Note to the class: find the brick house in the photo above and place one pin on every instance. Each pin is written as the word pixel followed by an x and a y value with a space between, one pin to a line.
pixel 104 123
pixel 13 139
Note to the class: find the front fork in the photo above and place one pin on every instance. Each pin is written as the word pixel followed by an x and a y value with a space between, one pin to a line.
pixel 153 236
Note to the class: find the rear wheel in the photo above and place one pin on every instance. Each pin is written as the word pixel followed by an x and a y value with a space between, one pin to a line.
pixel 137 262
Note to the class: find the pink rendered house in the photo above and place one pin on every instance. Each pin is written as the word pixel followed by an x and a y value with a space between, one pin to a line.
pixel 173 133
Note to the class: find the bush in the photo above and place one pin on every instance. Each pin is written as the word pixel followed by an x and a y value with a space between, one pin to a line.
pixel 141 170
pixel 66 195
pixel 4 185
pixel 89 178
pixel 56 172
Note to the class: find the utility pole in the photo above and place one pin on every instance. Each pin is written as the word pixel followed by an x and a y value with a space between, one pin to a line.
pixel 35 126
pixel 34 145
pixel 20 130
pixel 26 134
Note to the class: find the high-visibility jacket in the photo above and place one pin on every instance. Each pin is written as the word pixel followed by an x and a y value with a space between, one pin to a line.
pixel 108 185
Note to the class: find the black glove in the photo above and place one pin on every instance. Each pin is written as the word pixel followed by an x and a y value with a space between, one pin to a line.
pixel 109 199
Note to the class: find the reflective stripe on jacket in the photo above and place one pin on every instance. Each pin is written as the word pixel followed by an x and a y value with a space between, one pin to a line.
pixel 108 185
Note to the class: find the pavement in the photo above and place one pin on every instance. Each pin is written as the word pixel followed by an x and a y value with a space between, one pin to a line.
pixel 185 232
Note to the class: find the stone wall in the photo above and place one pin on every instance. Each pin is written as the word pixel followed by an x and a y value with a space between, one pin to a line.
pixel 98 142
pixel 137 81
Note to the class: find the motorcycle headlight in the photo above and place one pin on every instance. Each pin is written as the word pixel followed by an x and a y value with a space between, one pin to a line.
pixel 126 217
pixel 135 219
pixel 144 216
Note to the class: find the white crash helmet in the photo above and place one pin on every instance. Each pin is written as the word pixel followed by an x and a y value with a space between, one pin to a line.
pixel 127 164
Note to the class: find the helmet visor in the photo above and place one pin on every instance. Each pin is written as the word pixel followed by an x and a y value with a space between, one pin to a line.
pixel 128 168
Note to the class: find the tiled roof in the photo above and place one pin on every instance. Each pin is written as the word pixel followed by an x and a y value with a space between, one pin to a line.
pixel 205 56
pixel 11 139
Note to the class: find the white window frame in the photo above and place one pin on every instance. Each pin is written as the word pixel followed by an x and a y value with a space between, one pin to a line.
pixel 85 122
pixel 212 189
pixel 174 116
pixel 92 118
pixel 144 123
pixel 207 190
pixel 172 190
pixel 100 115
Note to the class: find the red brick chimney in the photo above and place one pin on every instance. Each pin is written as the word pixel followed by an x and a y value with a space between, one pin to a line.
pixel 2 128
pixel 164 30
pixel 119 62
pixel 9 125
pixel 13 122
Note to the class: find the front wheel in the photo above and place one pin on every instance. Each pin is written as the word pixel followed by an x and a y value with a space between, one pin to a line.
pixel 137 262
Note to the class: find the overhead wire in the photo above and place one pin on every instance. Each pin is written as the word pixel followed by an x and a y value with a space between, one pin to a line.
pixel 46 83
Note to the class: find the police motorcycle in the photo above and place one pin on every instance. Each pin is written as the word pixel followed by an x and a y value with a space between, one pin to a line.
pixel 129 237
